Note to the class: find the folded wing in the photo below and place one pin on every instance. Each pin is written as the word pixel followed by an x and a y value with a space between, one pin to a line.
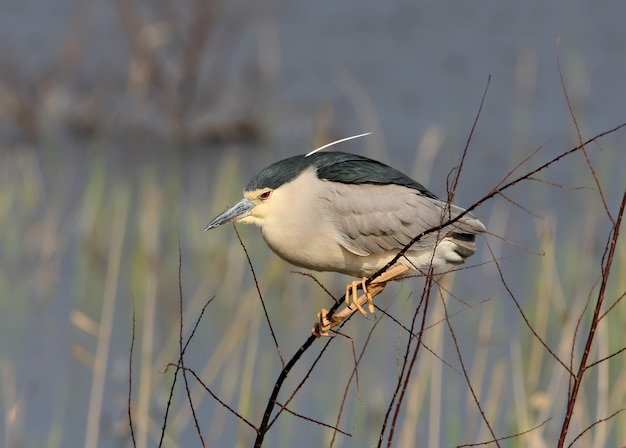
pixel 373 219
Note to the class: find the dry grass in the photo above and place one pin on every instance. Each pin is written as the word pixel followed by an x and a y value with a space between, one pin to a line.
pixel 87 241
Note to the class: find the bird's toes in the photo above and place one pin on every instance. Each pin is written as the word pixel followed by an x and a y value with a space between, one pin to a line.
pixel 323 324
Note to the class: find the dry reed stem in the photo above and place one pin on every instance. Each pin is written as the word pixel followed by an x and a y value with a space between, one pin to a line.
pixel 106 322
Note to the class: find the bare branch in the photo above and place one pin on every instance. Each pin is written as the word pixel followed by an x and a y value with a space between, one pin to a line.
pixel 407 367
pixel 309 419
pixel 490 195
pixel 182 350
pixel 512 436
pixel 353 374
pixel 580 137
pixel 606 265
pixel 459 168
pixel 256 283
pixel 602 420
pixel 130 382
pixel 606 358
pixel 181 361
pixel 215 397
pixel 613 305
pixel 466 375
pixel 519 308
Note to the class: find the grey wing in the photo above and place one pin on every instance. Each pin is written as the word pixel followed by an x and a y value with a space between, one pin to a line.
pixel 374 219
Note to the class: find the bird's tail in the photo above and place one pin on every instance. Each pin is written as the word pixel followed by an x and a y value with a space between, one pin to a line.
pixel 463 233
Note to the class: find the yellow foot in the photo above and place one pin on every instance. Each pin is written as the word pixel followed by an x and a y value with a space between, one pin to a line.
pixel 351 290
pixel 324 323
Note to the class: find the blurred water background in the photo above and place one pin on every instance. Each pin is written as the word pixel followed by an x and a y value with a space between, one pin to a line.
pixel 125 126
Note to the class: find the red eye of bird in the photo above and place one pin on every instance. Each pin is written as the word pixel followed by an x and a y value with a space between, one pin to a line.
pixel 265 194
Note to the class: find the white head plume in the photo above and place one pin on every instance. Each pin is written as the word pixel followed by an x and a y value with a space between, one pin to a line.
pixel 336 142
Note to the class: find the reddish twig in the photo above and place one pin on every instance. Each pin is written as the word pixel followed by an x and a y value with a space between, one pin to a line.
pixel 613 305
pixel 519 308
pixel 266 423
pixel 271 402
pixel 518 205
pixel 304 379
pixel 602 420
pixel 215 397
pixel 353 374
pixel 459 168
pixel 466 375
pixel 606 358
pixel 512 436
pixel 309 419
pixel 318 283
pixel 607 262
pixel 399 391
pixel 182 354
pixel 488 196
pixel 580 137
pixel 570 381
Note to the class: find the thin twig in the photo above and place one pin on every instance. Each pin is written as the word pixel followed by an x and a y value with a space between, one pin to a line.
pixel 581 316
pixel 606 358
pixel 130 382
pixel 521 311
pixel 181 361
pixel 512 436
pixel 465 374
pixel 602 420
pixel 171 394
pixel 434 324
pixel 561 186
pixel 271 402
pixel 488 196
pixel 304 379
pixel 256 283
pixel 580 137
pixel 613 305
pixel 459 168
pixel 318 283
pixel 520 206
pixel 215 397
pixel 399 391
pixel 182 352
pixel 309 419
pixel 523 162
pixel 353 374
pixel 606 271
pixel 266 424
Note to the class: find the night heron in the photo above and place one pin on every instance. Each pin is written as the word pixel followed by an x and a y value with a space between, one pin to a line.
pixel 340 212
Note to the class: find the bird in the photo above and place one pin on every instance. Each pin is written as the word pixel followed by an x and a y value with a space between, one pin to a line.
pixel 346 213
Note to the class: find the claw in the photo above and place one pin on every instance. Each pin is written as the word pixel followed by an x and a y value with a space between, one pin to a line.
pixel 352 288
pixel 370 300
pixel 324 323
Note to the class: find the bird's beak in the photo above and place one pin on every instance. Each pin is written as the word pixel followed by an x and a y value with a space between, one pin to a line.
pixel 240 210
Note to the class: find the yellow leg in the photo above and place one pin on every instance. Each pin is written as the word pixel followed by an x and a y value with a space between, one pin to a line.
pixel 351 289
pixel 324 324
pixel 378 284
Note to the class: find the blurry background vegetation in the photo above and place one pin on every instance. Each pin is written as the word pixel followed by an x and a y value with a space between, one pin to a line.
pixel 126 125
